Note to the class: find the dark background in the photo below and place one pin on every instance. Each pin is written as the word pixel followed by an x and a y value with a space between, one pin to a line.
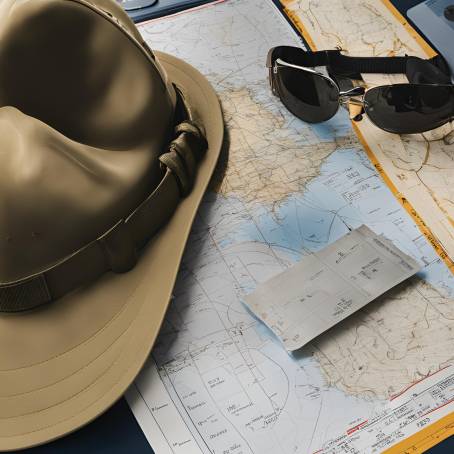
pixel 117 432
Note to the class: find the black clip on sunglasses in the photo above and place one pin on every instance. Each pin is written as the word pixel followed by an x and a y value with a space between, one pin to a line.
pixel 426 103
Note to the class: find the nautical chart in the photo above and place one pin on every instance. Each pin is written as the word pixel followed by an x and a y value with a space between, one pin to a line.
pixel 217 380
pixel 421 166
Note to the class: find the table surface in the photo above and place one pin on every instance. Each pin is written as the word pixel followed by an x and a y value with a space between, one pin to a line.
pixel 117 431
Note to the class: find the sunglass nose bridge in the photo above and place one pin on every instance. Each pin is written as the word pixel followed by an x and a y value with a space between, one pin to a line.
pixel 355 106
pixel 355 91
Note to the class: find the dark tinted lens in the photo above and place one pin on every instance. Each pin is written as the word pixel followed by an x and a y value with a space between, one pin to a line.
pixel 310 97
pixel 408 108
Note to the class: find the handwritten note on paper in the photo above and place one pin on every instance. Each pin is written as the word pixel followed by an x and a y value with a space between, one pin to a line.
pixel 328 286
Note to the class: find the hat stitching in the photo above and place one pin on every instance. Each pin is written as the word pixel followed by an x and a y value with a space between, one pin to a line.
pixel 62 380
pixel 66 400
pixel 95 334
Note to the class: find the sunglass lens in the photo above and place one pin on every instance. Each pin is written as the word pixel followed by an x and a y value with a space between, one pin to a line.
pixel 409 108
pixel 309 96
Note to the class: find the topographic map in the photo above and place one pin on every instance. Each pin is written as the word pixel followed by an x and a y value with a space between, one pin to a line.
pixel 420 167
pixel 217 380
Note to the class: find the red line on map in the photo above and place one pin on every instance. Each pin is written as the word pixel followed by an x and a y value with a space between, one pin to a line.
pixel 416 382
pixel 357 427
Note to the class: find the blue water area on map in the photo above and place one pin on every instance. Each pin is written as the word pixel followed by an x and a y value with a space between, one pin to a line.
pixel 347 193
pixel 338 126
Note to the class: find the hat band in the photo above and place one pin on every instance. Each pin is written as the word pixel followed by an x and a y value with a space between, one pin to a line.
pixel 116 250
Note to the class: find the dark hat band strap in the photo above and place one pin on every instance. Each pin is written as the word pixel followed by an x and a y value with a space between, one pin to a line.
pixel 116 250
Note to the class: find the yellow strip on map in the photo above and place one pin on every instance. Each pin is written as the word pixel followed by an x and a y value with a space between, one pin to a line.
pixel 414 34
pixel 298 24
pixel 425 438
pixel 405 203
pixel 402 200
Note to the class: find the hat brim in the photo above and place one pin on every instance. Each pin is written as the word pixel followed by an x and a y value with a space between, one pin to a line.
pixel 64 364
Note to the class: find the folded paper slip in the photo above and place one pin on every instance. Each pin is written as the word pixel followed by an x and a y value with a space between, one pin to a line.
pixel 328 286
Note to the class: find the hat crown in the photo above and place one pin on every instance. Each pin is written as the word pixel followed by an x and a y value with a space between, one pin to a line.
pixel 84 115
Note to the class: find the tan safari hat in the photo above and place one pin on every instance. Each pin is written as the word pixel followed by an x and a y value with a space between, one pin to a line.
pixel 106 149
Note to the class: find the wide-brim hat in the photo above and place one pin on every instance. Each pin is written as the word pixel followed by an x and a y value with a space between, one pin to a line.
pixel 64 363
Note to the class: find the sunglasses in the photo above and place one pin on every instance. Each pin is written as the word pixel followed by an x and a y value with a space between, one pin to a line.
pixel 400 108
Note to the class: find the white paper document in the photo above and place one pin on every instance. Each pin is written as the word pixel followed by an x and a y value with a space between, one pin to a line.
pixel 328 286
